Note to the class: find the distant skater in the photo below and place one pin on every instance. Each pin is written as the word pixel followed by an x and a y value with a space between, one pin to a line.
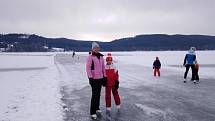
pixel 157 66
pixel 73 53
pixel 189 61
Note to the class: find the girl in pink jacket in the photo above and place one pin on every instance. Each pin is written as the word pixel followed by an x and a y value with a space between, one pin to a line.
pixel 96 73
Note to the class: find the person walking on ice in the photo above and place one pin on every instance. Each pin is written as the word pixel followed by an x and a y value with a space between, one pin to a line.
pixel 73 54
pixel 112 84
pixel 189 61
pixel 157 66
pixel 95 68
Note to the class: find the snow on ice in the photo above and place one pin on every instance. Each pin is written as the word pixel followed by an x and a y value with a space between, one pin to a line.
pixel 29 88
pixel 54 87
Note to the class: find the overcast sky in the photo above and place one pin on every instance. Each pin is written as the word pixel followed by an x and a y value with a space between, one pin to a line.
pixel 106 20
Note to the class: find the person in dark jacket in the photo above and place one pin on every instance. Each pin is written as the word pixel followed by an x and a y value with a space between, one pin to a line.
pixel 157 66
pixel 189 61
pixel 73 54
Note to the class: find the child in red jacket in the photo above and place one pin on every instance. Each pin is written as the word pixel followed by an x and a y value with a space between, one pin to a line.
pixel 112 83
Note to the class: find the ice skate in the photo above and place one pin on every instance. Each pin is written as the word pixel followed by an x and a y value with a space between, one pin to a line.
pixel 194 81
pixel 108 109
pixel 98 111
pixel 94 116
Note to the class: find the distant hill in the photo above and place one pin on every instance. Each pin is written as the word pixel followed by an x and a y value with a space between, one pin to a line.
pixel 35 43
pixel 164 42
pixel 154 42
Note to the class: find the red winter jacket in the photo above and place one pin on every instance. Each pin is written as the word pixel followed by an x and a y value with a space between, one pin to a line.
pixel 112 74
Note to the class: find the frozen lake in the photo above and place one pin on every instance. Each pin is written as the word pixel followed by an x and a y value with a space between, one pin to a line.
pixel 54 86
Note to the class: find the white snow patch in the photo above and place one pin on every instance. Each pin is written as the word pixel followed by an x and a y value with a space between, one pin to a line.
pixel 25 60
pixel 31 95
pixel 26 36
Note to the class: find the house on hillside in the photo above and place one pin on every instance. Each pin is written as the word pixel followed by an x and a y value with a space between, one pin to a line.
pixel 57 49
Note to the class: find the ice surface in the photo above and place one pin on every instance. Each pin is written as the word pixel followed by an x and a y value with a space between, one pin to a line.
pixel 55 87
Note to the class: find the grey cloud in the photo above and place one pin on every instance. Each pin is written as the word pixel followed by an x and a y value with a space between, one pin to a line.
pixel 109 18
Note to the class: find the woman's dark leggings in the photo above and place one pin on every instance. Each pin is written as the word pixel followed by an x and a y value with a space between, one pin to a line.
pixel 193 71
pixel 96 91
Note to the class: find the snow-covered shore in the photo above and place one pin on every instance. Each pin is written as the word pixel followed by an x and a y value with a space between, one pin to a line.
pixel 29 88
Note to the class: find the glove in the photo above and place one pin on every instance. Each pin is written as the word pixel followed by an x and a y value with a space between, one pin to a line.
pixel 116 85
pixel 104 81
pixel 90 81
